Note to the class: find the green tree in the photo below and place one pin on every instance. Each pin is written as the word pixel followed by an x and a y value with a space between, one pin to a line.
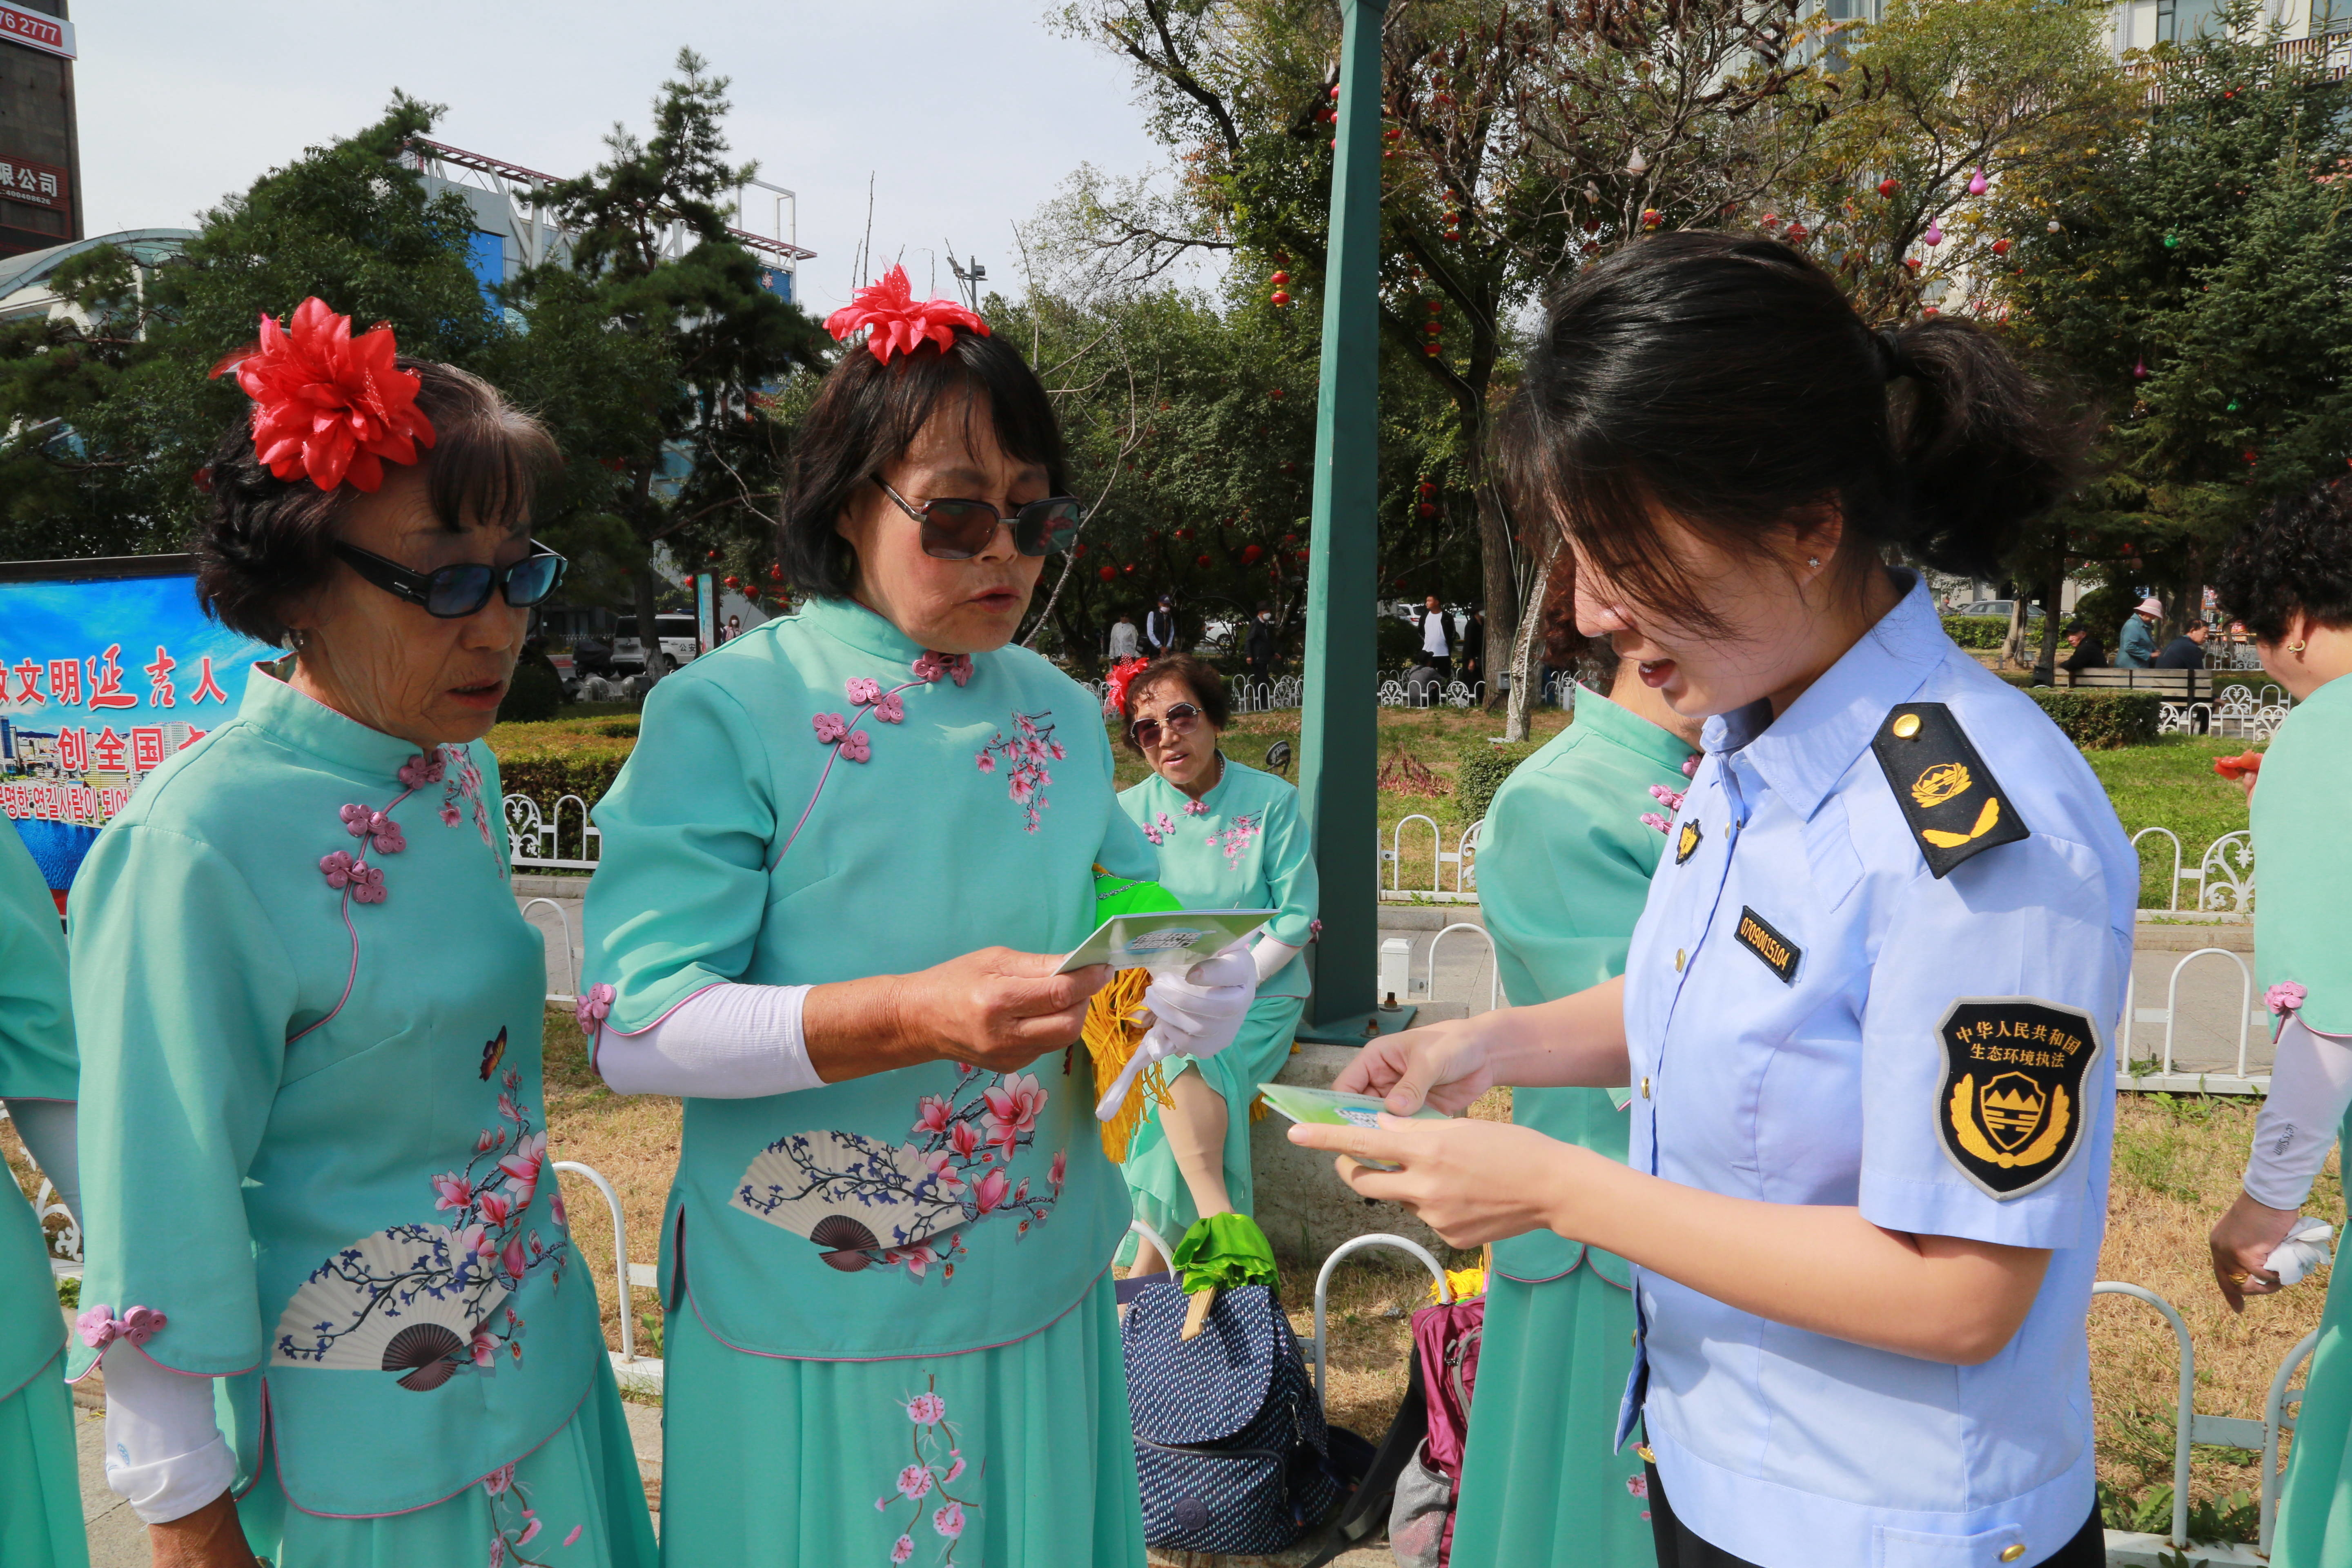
pixel 109 419
pixel 2193 277
pixel 653 343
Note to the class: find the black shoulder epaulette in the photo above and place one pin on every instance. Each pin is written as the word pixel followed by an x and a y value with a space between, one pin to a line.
pixel 1950 798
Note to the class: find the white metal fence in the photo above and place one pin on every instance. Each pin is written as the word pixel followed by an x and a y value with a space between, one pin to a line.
pixel 2247 712
pixel 2223 878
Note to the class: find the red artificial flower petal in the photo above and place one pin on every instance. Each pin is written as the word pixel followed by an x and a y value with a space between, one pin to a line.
pixel 895 322
pixel 328 405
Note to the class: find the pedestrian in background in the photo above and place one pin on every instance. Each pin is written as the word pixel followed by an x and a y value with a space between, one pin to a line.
pixel 2186 651
pixel 1436 639
pixel 1159 628
pixel 1123 641
pixel 1473 646
pixel 2136 648
pixel 2086 650
pixel 1258 654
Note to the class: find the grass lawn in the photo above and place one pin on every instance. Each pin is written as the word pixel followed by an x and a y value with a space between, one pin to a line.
pixel 2172 784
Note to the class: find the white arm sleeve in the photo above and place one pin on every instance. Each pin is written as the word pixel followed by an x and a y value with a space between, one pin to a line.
pixel 163 1453
pixel 1270 956
pixel 2311 1085
pixel 47 1126
pixel 726 1042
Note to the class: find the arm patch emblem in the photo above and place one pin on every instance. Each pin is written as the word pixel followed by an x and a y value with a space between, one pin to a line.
pixel 2009 1108
pixel 1950 798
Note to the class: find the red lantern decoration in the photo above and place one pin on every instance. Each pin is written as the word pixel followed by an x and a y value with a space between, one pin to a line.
pixel 1796 235
pixel 1427 489
pixel 1281 297
pixel 1652 217
pixel 1251 554
pixel 1302 556
pixel 1108 573
pixel 1887 187
pixel 1201 559
pixel 1427 509
pixel 1275 392
pixel 732 583
pixel 775 574
pixel 2001 248
pixel 1432 350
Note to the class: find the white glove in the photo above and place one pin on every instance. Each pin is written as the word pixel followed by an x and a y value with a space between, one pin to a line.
pixel 1196 1015
pixel 1199 1014
pixel 2305 1249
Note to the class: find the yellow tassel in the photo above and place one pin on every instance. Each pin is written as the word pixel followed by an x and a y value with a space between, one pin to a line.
pixel 1260 1109
pixel 1111 1035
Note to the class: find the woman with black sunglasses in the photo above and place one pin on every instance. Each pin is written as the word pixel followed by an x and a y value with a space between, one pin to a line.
pixel 313 1143
pixel 839 872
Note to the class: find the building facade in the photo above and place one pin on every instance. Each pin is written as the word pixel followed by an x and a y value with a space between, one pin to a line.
pixel 40 154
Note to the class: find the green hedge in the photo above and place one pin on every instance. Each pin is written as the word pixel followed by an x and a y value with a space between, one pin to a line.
pixel 2102 720
pixel 1481 766
pixel 535 695
pixel 1977 631
pixel 569 756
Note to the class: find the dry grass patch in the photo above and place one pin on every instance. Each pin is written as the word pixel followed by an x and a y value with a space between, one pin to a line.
pixel 632 1140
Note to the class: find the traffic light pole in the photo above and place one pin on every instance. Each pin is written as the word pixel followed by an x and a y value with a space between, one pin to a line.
pixel 1338 743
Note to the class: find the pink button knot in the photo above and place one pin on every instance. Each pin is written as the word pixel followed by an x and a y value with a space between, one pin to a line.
pixel 865 692
pixel 855 746
pixel 2284 998
pixel 1196 808
pixel 423 768
pixel 594 1007
pixel 367 884
pixel 99 1326
pixel 1690 765
pixel 830 728
pixel 1651 819
pixel 890 710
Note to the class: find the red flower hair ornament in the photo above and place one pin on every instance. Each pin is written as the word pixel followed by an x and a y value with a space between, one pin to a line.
pixel 895 322
pixel 327 404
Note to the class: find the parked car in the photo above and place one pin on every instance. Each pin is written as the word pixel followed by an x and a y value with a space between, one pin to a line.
pixel 677 637
pixel 2004 608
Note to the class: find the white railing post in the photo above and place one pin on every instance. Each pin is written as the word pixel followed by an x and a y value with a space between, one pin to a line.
pixel 1493 973
pixel 620 1252
pixel 2274 1423
pixel 571 950
pixel 1358 1243
pixel 2183 1415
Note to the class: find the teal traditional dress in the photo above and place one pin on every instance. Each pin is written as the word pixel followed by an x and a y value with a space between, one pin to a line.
pixel 2300 921
pixel 1239 847
pixel 40 1493
pixel 1562 873
pixel 891 1333
pixel 314 1151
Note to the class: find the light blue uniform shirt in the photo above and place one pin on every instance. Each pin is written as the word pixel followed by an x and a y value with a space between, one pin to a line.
pixel 1826 1086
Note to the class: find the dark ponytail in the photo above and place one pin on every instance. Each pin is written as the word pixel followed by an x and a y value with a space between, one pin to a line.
pixel 1726 382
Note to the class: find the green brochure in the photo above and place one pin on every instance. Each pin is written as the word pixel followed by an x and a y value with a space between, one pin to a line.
pixel 1165 942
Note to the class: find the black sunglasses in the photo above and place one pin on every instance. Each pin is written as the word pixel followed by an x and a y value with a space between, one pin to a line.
pixel 959 529
pixel 1180 716
pixel 455 592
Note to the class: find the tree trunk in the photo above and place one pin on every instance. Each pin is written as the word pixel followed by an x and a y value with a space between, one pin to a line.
pixel 2045 663
pixel 1526 655
pixel 649 621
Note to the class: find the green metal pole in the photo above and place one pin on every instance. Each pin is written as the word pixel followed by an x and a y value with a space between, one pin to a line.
pixel 1339 739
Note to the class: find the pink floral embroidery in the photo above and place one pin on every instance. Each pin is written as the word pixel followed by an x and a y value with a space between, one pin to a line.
pixel 856 747
pixel 508 1537
pixel 939 1462
pixel 1237 837
pixel 864 692
pixel 99 1326
pixel 450 816
pixel 1012 1108
pixel 1027 752
pixel 985 761
pixel 988 1193
pixel 486 1252
pixel 830 728
pixel 2284 998
pixel 1061 1170
pixel 932 1117
pixel 1638 1484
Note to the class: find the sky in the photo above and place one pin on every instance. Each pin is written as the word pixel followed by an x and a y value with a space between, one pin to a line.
pixel 964 116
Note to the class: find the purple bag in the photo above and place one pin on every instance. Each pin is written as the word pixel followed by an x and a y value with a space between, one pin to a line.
pixel 1445 1340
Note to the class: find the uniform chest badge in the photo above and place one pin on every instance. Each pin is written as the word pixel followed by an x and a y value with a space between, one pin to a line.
pixel 1952 801
pixel 2010 1110
pixel 1781 955
pixel 1686 841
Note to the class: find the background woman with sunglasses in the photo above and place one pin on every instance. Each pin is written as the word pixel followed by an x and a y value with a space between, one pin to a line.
pixel 839 872
pixel 1229 838
pixel 313 1142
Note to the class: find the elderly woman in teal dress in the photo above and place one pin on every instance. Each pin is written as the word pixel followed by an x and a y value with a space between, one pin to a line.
pixel 328 1276
pixel 1572 837
pixel 40 1494
pixel 891 1334
pixel 2288 575
pixel 1228 836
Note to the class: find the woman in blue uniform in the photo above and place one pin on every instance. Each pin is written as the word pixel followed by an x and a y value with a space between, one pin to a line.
pixel 1867 1008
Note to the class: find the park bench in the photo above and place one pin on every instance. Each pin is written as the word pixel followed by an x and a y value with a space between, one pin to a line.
pixel 2172 685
